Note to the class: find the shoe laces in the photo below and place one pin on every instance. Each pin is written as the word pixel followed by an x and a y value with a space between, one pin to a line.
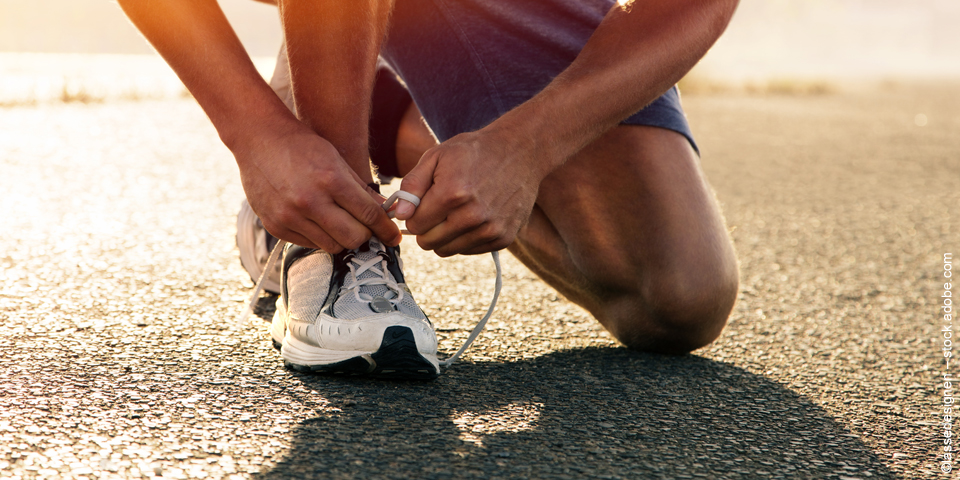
pixel 364 273
pixel 358 267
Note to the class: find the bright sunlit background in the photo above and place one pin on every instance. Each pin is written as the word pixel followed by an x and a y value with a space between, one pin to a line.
pixel 86 50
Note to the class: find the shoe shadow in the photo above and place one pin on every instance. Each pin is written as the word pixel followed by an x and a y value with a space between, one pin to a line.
pixel 266 306
pixel 597 412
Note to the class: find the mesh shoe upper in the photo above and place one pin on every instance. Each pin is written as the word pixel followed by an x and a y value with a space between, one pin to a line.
pixel 371 285
pixel 322 321
pixel 310 275
pixel 255 245
pixel 345 302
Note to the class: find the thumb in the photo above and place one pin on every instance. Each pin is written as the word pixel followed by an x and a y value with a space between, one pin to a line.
pixel 417 182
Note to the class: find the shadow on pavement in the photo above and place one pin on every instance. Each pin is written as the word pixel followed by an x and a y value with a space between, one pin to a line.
pixel 265 307
pixel 597 412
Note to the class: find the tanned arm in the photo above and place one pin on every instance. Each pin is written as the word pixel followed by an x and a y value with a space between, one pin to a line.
pixel 195 38
pixel 332 47
pixel 638 52
pixel 478 188
pixel 297 181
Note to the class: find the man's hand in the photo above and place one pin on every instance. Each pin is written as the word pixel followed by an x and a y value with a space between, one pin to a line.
pixel 305 193
pixel 476 193
pixel 297 182
pixel 477 189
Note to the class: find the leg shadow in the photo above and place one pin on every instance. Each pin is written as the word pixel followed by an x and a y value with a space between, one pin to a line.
pixel 597 412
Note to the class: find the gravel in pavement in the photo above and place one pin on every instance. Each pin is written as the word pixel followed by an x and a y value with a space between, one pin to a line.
pixel 120 356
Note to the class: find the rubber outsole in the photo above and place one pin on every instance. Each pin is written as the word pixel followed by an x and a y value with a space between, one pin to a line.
pixel 397 358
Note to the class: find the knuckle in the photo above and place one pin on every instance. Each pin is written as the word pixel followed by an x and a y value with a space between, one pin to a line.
pixel 326 179
pixel 369 213
pixel 471 217
pixel 459 196
pixel 500 244
pixel 301 201
pixel 490 232
pixel 355 239
pixel 280 220
pixel 411 183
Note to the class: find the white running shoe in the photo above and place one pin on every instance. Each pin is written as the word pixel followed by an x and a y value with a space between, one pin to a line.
pixel 352 313
pixel 255 245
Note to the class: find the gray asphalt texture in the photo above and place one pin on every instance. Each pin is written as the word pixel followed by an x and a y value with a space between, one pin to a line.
pixel 120 355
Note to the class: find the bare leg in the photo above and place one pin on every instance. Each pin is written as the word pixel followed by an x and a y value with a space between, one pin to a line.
pixel 629 230
pixel 413 138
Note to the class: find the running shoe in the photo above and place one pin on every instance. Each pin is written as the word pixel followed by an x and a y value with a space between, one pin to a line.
pixel 352 314
pixel 255 245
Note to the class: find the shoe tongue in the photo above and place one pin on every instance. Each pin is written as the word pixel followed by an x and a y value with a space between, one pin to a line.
pixel 375 297
pixel 367 251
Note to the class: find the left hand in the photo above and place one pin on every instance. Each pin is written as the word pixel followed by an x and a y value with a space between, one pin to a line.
pixel 476 192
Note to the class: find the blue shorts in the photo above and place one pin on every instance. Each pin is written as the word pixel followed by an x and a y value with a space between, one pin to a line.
pixel 467 62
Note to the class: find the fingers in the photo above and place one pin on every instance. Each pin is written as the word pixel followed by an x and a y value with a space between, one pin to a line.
pixel 304 192
pixel 323 222
pixel 374 217
pixel 364 210
pixel 352 212
pixel 417 182
pixel 376 196
pixel 338 230
pixel 462 234
pixel 486 248
pixel 459 212
pixel 320 239
pixel 445 201
pixel 404 209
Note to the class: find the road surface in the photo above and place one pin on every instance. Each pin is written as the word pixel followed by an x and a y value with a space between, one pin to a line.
pixel 120 355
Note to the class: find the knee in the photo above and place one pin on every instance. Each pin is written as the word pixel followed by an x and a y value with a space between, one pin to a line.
pixel 674 313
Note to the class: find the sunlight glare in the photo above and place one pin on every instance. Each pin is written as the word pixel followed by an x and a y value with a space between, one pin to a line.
pixel 514 417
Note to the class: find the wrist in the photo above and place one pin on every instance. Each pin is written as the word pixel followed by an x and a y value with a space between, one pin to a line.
pixel 243 131
pixel 524 133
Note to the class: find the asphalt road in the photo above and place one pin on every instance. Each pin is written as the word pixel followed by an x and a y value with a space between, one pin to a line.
pixel 120 283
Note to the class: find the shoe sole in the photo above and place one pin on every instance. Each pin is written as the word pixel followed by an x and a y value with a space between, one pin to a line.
pixel 397 358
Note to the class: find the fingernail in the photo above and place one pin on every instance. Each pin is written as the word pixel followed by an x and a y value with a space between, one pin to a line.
pixel 393 241
pixel 404 210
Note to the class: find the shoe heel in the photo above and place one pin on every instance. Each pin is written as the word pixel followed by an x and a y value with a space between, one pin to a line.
pixel 398 356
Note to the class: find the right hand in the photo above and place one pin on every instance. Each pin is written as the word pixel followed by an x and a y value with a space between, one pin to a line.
pixel 305 193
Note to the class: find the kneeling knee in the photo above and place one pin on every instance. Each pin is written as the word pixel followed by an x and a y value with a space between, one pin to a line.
pixel 673 315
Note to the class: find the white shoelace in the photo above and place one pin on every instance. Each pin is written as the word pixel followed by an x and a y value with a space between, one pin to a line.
pixel 358 267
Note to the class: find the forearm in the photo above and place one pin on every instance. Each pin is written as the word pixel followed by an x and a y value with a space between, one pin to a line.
pixel 633 57
pixel 332 47
pixel 194 37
